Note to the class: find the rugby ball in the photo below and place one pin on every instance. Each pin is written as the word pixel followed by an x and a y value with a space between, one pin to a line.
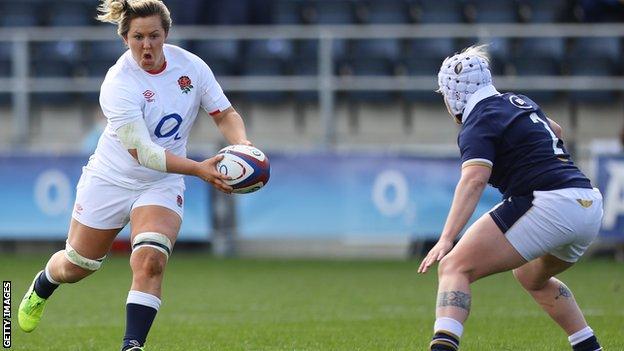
pixel 247 166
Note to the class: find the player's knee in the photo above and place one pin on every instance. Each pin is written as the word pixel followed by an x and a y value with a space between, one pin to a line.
pixel 76 266
pixel 148 264
pixel 453 265
pixel 150 251
pixel 528 280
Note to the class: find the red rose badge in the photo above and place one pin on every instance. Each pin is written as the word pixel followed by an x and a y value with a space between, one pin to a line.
pixel 185 84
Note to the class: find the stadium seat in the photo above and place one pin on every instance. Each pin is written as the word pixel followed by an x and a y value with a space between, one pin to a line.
pixel 106 50
pixel 282 49
pixel 5 68
pixel 6 50
pixel 384 12
pixel 70 13
pixel 305 67
pixel 539 11
pixel 264 67
pixel 601 47
pixel 186 12
pixel 20 14
pixel 229 12
pixel 487 11
pixel 551 48
pixel 287 12
pixel 370 67
pixel 332 12
pixel 223 56
pixel 438 48
pixel 421 67
pixel 68 51
pixel 310 49
pixel 438 11
pixel 389 49
pixel 52 69
pixel 593 66
pixel 528 65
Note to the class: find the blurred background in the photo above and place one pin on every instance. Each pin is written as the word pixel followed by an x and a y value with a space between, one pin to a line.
pixel 338 93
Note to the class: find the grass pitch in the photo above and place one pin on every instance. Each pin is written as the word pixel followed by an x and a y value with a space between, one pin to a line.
pixel 211 304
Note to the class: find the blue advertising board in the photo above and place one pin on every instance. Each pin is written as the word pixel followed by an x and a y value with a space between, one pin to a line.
pixel 355 196
pixel 610 181
pixel 37 197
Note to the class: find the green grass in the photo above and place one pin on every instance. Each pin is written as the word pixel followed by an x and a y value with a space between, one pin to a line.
pixel 211 304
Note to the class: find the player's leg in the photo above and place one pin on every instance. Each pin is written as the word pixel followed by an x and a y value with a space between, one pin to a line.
pixel 556 299
pixel 84 252
pixel 154 231
pixel 483 250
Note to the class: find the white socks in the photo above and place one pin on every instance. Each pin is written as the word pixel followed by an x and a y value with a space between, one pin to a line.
pixel 449 325
pixel 145 299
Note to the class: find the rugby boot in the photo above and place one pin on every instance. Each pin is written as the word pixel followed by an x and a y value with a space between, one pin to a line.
pixel 31 308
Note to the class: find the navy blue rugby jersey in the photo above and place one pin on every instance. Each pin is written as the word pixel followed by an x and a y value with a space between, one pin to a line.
pixel 511 134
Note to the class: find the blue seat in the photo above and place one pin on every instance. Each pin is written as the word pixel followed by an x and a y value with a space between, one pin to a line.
pixel 68 51
pixel 602 47
pixel 264 67
pixel 487 11
pixel 310 49
pixel 287 12
pixel 539 11
pixel 389 49
pixel 305 67
pixel 6 50
pixel 527 66
pixel 370 67
pixel 438 11
pixel 553 48
pixel 229 12
pixel 438 48
pixel 211 50
pixel 593 66
pixel 20 14
pixel 269 49
pixel 52 69
pixel 387 11
pixel 70 13
pixel 186 12
pixel 422 67
pixel 106 50
pixel 5 68
pixel 332 12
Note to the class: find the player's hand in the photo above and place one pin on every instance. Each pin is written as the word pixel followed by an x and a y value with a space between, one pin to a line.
pixel 209 173
pixel 439 250
pixel 245 142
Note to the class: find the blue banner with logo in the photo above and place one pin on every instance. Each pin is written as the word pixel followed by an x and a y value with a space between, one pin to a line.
pixel 38 194
pixel 610 181
pixel 354 196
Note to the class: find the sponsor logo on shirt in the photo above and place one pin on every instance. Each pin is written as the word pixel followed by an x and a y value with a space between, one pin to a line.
pixel 148 94
pixel 185 84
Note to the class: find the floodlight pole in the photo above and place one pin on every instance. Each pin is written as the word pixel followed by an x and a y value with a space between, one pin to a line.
pixel 326 90
pixel 20 96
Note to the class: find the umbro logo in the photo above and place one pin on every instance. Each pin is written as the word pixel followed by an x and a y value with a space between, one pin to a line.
pixel 149 95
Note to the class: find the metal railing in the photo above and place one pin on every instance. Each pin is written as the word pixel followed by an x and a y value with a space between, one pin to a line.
pixel 21 84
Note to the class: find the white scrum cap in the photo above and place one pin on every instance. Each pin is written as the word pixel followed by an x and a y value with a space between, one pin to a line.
pixel 461 75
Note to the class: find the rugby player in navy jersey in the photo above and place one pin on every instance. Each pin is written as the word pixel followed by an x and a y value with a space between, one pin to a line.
pixel 548 217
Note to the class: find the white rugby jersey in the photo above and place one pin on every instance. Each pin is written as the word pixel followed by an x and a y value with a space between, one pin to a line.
pixel 167 101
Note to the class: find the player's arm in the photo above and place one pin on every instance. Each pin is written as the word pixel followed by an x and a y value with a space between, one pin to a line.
pixel 556 128
pixel 473 180
pixel 135 137
pixel 467 194
pixel 231 125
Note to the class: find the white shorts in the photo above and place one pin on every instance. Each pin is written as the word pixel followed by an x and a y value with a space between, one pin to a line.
pixel 101 204
pixel 560 222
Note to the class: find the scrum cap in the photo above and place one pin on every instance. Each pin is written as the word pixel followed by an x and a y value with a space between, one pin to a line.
pixel 461 75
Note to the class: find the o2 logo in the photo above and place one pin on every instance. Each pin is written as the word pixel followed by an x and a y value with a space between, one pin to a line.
pixel 169 126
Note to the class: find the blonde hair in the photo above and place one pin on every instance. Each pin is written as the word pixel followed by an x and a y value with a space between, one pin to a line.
pixel 478 50
pixel 122 12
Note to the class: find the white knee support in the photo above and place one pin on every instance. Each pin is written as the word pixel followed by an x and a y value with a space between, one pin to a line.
pixel 154 240
pixel 74 257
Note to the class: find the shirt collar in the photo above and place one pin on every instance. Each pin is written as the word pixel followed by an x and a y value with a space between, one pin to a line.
pixel 476 97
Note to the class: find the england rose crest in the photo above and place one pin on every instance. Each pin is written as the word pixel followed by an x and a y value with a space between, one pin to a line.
pixel 185 84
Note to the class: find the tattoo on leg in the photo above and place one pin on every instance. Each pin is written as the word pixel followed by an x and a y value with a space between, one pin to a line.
pixel 563 292
pixel 454 298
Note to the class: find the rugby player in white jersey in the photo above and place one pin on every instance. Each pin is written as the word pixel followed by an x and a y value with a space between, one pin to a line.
pixel 549 215
pixel 151 98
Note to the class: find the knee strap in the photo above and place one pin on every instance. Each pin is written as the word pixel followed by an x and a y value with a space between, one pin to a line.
pixel 154 240
pixel 74 257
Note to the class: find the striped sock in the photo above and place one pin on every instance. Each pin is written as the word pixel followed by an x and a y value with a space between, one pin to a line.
pixel 584 340
pixel 447 332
